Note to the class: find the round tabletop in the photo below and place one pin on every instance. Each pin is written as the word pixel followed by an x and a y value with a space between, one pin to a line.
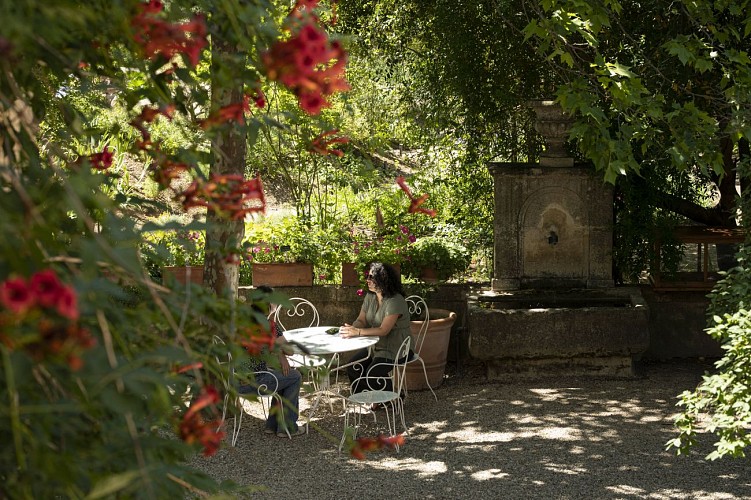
pixel 317 341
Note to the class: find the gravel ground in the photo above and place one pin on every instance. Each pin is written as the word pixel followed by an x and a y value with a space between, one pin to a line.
pixel 557 438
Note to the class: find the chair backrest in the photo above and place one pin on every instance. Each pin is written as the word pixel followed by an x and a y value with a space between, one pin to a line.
pixel 418 308
pixel 269 389
pixel 300 313
pixel 230 368
pixel 400 365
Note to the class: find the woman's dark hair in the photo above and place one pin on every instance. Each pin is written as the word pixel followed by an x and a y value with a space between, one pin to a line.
pixel 386 279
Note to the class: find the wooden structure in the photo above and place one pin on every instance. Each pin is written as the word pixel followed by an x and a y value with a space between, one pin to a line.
pixel 703 278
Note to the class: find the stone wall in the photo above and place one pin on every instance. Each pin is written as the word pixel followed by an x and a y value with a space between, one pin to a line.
pixel 596 339
pixel 675 325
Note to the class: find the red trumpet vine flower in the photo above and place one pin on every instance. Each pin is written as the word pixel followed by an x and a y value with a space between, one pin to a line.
pixel 16 295
pixel 57 336
pixel 255 338
pixel 234 112
pixel 415 202
pixel 164 173
pixel 194 429
pixel 103 160
pixel 366 444
pixel 186 368
pixel 231 196
pixel 321 145
pixel 307 62
pixel 159 37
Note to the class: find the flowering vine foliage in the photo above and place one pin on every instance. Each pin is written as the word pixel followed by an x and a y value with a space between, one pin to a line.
pixel 230 195
pixel 42 313
pixel 100 367
pixel 159 38
pixel 307 62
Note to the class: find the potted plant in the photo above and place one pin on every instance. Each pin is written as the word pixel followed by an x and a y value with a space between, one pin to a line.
pixel 434 258
pixel 389 247
pixel 175 254
pixel 328 248
pixel 281 253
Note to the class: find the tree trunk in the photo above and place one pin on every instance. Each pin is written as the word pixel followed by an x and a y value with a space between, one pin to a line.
pixel 744 153
pixel 228 148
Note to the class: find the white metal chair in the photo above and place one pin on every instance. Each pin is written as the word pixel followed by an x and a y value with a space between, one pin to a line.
pixel 266 393
pixel 356 402
pixel 418 307
pixel 302 313
pixel 320 370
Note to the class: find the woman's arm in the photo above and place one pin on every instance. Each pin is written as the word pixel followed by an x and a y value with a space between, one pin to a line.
pixel 361 321
pixel 354 331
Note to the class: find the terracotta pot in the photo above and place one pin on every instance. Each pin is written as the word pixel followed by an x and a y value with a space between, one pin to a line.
pixel 429 275
pixel 180 274
pixel 350 274
pixel 282 274
pixel 434 350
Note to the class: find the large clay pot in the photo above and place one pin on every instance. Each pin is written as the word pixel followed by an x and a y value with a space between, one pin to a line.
pixel 434 350
pixel 350 274
pixel 283 274
pixel 180 274
pixel 429 275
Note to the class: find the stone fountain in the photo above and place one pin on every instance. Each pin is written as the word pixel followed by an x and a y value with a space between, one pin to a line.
pixel 553 307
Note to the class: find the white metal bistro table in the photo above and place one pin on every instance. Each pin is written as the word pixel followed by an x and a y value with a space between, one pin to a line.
pixel 317 341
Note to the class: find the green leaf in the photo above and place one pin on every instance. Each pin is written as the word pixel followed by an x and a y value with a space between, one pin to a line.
pixel 620 69
pixel 703 65
pixel 112 484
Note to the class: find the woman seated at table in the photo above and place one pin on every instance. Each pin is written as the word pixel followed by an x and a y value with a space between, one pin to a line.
pixel 280 421
pixel 385 314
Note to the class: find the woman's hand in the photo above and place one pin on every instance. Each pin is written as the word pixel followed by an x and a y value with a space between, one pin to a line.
pixel 284 363
pixel 348 331
pixel 280 341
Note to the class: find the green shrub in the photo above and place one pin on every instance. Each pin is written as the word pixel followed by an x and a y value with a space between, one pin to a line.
pixel 446 257
pixel 291 240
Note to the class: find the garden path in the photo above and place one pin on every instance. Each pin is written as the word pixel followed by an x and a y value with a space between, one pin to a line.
pixel 557 438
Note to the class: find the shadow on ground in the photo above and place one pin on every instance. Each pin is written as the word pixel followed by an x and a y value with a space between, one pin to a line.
pixel 558 438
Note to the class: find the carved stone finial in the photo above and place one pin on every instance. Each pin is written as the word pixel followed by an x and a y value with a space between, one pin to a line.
pixel 553 124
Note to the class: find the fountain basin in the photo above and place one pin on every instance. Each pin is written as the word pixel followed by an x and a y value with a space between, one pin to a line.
pixel 559 332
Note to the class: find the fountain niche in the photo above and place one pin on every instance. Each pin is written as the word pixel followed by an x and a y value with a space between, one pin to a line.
pixel 553 308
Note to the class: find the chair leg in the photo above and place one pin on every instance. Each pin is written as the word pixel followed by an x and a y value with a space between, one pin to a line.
pixel 425 372
pixel 346 423
pixel 396 408
pixel 344 431
pixel 237 422
pixel 280 408
pixel 224 407
pixel 391 420
pixel 401 414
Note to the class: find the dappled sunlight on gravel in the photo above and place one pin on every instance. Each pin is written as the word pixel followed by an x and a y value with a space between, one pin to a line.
pixel 567 438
